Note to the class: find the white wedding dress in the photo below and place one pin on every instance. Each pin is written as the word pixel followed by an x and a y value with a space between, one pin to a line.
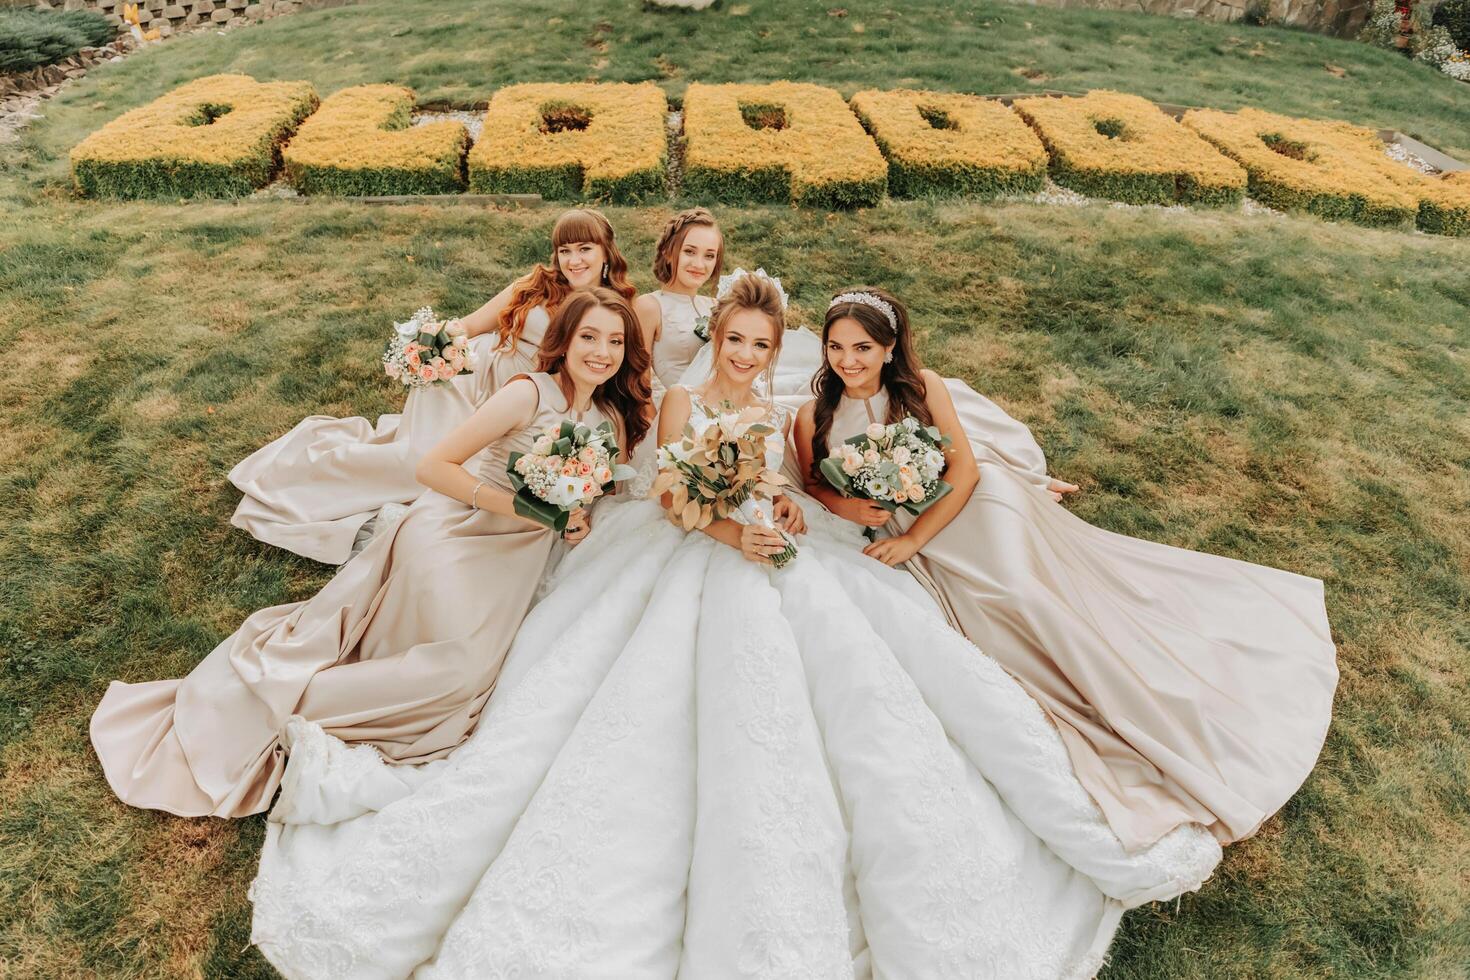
pixel 695 766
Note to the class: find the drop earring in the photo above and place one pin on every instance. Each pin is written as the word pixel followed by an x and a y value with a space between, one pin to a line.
pixel 604 272
pixel 888 358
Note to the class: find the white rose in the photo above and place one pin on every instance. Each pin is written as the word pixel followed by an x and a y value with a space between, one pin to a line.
pixel 876 431
pixel 456 330
pixel 901 455
pixel 541 446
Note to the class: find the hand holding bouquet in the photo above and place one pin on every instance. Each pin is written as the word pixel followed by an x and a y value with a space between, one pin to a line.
pixel 569 466
pixel 894 466
pixel 718 469
pixel 424 352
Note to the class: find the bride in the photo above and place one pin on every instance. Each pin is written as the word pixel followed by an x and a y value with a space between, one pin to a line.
pixel 695 765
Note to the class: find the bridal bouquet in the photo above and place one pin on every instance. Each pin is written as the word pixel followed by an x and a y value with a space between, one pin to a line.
pixel 424 351
pixel 894 466
pixel 569 466
pixel 719 470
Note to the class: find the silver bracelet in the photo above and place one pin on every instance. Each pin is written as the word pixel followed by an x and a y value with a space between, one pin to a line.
pixel 474 495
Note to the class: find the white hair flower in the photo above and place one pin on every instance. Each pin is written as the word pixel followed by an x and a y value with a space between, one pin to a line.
pixel 726 282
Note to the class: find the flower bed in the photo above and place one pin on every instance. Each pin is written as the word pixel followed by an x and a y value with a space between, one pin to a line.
pixel 1332 169
pixel 1124 148
pixel 573 140
pixel 784 141
pixel 361 142
pixel 217 136
pixel 944 143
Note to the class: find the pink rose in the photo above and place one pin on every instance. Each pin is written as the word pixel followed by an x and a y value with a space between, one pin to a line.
pixel 428 373
pixel 446 371
pixel 583 469
pixel 916 493
pixel 569 470
pixel 392 368
pixel 412 359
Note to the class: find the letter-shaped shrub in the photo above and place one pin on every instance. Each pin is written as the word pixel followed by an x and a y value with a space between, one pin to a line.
pixel 1124 148
pixel 947 143
pixel 786 141
pixel 217 136
pixel 361 142
pixel 572 141
pixel 1333 169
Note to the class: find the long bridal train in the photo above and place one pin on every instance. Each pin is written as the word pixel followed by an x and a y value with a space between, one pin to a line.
pixel 693 766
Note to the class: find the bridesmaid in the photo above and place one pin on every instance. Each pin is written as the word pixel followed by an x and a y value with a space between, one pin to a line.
pixel 690 252
pixel 1188 688
pixel 402 648
pixel 312 490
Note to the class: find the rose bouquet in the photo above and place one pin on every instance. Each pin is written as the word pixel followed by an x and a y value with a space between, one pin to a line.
pixel 569 466
pixel 894 466
pixel 424 352
pixel 719 469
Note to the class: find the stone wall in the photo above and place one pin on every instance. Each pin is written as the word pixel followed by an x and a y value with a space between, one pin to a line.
pixel 169 16
pixel 1340 17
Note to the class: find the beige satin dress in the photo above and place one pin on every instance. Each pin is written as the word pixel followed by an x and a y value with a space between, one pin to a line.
pixel 400 650
pixel 312 490
pixel 1187 687
pixel 677 343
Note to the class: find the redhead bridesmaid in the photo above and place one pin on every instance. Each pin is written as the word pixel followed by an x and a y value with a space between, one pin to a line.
pixel 402 648
pixel 1188 688
pixel 312 490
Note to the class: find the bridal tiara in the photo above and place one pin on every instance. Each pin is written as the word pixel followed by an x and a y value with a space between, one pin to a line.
pixel 727 282
pixel 868 299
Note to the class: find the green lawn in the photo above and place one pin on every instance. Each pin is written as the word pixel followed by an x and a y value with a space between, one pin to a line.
pixel 1281 390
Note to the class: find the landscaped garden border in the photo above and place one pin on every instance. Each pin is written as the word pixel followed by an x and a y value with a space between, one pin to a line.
pixel 573 140
pixel 362 142
pixel 781 142
pixel 217 136
pixel 951 144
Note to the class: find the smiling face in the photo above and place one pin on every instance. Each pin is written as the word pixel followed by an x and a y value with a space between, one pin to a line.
pixel 596 349
pixel 698 258
pixel 747 345
pixel 581 263
pixel 854 355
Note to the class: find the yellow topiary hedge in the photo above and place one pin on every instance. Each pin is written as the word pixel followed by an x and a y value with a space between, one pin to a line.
pixel 1444 204
pixel 784 141
pixel 573 140
pixel 1122 147
pixel 217 136
pixel 362 142
pixel 1333 169
pixel 942 143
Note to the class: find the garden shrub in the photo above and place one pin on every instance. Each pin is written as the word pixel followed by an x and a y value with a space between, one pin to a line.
pixel 945 143
pixel 778 142
pixel 362 142
pixel 1124 148
pixel 218 136
pixel 568 141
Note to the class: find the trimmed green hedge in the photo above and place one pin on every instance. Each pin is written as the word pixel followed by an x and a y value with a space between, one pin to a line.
pixel 31 38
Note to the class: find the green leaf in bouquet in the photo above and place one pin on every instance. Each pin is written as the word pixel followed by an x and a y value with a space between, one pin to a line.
pixel 567 431
pixel 860 440
pixel 532 507
pixel 562 447
pixel 832 470
pixel 429 340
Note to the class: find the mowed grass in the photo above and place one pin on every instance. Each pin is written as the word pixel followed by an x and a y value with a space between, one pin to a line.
pixel 1280 390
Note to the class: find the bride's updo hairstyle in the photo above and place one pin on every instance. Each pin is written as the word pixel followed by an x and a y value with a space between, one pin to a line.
pixel 625 395
pixel 546 285
pixel 902 377
pixel 749 292
pixel 666 254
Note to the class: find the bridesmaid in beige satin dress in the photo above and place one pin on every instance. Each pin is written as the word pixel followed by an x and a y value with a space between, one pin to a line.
pixel 313 489
pixel 1187 687
pixel 402 648
pixel 690 252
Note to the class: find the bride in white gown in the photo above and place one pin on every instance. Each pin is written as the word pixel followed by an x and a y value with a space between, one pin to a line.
pixel 697 766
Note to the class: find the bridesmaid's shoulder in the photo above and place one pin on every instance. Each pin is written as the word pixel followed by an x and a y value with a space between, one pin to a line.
pixel 931 378
pixel 646 304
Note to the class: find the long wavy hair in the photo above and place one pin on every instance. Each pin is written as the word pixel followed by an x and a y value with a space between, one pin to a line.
pixel 666 253
pixel 626 396
pixel 749 293
pixel 902 378
pixel 546 285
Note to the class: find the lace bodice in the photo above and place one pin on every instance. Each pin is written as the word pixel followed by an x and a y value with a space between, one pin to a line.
pixel 550 409
pixel 677 342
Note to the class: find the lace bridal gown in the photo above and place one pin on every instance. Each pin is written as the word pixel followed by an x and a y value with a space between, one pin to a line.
pixel 694 766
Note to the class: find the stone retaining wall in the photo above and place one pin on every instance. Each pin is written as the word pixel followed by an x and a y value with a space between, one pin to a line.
pixel 169 16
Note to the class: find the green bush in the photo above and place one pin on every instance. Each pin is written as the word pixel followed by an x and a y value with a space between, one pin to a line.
pixel 1454 16
pixel 31 38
